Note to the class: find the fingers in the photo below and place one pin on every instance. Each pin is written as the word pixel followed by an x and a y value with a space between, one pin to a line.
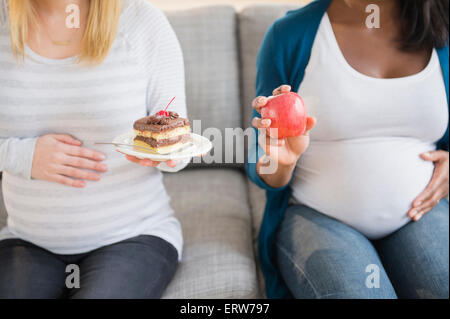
pixel 78 173
pixel 143 162
pixel 310 123
pixel 421 213
pixel 261 123
pixel 64 138
pixel 259 103
pixel 417 213
pixel 85 163
pixel 83 152
pixel 150 163
pixel 428 204
pixel 433 156
pixel 171 163
pixel 269 144
pixel 67 181
pixel 426 194
pixel 281 90
pixel 438 187
pixel 265 123
pixel 421 203
pixel 132 159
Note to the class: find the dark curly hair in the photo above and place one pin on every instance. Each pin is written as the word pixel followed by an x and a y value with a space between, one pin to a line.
pixel 425 23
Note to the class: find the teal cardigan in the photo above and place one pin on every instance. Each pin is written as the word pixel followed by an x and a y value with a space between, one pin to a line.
pixel 283 57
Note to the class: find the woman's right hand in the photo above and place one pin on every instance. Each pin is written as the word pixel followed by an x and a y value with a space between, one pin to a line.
pixel 61 159
pixel 286 152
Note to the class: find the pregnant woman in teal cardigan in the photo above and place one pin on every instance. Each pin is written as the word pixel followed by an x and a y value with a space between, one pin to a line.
pixel 363 207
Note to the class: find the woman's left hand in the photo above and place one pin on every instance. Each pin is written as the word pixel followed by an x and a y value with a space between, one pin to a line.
pixel 150 163
pixel 438 187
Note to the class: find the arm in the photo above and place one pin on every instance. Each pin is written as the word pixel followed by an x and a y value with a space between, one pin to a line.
pixel 281 155
pixel 269 76
pixel 16 156
pixel 264 151
pixel 168 81
pixel 53 158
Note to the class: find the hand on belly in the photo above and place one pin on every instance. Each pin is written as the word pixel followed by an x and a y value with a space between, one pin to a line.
pixel 61 159
pixel 438 187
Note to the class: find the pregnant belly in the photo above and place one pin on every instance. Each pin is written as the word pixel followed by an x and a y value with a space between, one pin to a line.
pixel 368 184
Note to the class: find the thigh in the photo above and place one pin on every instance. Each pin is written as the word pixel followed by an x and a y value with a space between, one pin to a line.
pixel 320 257
pixel 416 257
pixel 137 268
pixel 30 272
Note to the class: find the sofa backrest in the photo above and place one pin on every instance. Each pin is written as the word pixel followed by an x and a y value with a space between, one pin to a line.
pixel 253 24
pixel 220 48
pixel 208 38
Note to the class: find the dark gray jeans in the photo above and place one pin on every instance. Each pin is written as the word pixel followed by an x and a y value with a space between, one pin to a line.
pixel 137 268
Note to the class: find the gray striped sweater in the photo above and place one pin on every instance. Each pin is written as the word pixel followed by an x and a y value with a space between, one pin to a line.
pixel 143 71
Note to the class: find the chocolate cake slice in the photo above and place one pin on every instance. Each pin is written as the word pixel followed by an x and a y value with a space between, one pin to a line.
pixel 164 132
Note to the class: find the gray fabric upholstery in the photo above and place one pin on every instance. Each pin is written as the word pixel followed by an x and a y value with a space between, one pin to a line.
pixel 257 200
pixel 210 47
pixel 253 24
pixel 2 211
pixel 218 260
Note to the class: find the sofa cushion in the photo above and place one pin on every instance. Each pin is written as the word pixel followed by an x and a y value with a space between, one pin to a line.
pixel 218 259
pixel 253 24
pixel 210 46
pixel 2 209
pixel 257 200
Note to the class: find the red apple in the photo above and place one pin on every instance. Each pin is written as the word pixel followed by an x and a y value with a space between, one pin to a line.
pixel 287 113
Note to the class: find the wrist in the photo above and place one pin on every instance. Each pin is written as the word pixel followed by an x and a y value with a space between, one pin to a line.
pixel 274 174
pixel 269 166
pixel 267 160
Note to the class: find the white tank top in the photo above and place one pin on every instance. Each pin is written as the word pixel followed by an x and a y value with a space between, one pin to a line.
pixel 363 166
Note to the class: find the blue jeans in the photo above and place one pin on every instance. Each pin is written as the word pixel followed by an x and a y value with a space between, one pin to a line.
pixel 137 268
pixel 320 257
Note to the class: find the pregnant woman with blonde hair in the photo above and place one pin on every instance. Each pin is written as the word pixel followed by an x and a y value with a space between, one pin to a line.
pixel 68 200
pixel 361 212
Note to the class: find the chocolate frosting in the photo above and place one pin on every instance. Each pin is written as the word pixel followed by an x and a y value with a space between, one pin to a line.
pixel 160 123
pixel 165 142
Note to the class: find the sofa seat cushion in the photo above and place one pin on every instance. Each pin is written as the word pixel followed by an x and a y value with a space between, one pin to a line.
pixel 218 260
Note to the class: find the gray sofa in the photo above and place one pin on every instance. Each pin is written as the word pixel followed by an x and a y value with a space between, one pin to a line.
pixel 220 210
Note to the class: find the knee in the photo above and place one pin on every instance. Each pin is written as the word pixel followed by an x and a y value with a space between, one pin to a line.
pixel 325 275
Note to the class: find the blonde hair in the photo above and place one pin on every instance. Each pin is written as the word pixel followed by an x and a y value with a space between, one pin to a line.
pixel 101 28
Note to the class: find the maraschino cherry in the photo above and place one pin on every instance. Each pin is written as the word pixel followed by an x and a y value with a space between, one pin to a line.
pixel 164 112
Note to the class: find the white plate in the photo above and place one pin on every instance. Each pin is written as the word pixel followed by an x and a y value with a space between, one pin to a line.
pixel 199 146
